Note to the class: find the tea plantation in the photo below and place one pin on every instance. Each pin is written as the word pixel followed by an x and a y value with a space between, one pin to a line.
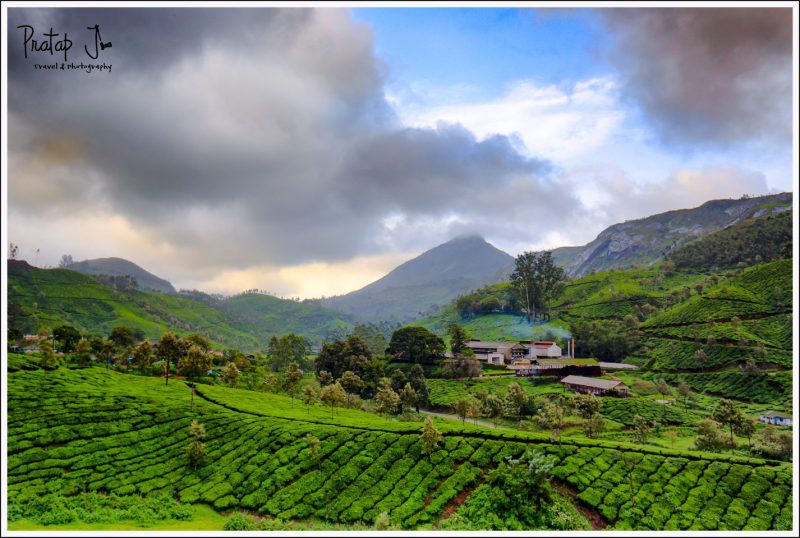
pixel 92 431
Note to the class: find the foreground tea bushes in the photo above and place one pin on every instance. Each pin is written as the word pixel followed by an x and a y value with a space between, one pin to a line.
pixel 78 432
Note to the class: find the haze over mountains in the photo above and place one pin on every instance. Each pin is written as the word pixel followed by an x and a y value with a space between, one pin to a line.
pixel 120 267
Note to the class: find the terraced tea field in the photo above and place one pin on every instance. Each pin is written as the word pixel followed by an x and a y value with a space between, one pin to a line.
pixel 91 430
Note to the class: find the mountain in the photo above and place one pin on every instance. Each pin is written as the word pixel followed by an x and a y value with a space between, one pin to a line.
pixel 120 267
pixel 52 297
pixel 646 240
pixel 428 282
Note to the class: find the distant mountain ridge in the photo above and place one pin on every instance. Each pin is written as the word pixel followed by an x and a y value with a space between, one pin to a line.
pixel 120 267
pixel 428 282
pixel 648 239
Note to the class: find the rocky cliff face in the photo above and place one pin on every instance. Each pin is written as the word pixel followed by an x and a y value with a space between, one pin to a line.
pixel 647 240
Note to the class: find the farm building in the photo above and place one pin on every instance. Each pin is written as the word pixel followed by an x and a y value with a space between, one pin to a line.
pixel 544 349
pixel 774 417
pixel 560 367
pixel 496 352
pixel 595 386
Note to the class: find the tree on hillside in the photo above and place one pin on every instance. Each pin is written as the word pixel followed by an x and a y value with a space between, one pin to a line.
pixel 709 437
pixel 171 348
pixel 398 380
pixel 287 349
pixel 594 425
pixel 230 375
pixel 416 344
pixel 458 338
pixel 685 392
pixel 83 352
pixel 333 396
pixel 630 461
pixel 466 407
pixel 430 437
pixel 372 335
pixel 122 337
pixel 325 378
pixel 68 336
pixel 537 280
pixel 701 359
pixel 341 355
pixel 525 481
pixel 493 406
pixel 143 355
pixel 309 396
pixel 200 341
pixel 420 385
pixel 641 429
pixel 408 398
pixel 291 380
pixel 516 398
pixel 13 251
pixel 49 360
pixel 727 414
pixel 552 417
pixel 196 451
pixel 313 448
pixel 66 261
pixel 587 405
pixel 352 384
pixel 747 428
pixel 194 363
pixel 386 400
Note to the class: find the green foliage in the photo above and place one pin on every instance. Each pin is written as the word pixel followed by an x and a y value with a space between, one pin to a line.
pixel 751 241
pixel 240 522
pixel 289 348
pixel 416 344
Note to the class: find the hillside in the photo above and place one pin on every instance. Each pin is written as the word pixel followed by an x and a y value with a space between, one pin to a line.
pixel 751 241
pixel 51 297
pixel 120 267
pixel 646 240
pixel 428 282
pixel 75 432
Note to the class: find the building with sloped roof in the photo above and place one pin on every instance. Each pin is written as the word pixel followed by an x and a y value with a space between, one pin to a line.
pixel 592 385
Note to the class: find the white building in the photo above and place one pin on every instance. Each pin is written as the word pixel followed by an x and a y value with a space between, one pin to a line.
pixel 544 348
pixel 776 418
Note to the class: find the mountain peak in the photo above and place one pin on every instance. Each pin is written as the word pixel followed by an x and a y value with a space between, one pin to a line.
pixel 121 267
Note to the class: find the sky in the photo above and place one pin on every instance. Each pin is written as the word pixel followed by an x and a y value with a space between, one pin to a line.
pixel 308 152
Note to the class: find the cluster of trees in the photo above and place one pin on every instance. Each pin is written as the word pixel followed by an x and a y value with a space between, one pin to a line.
pixel 718 433
pixel 750 242
pixel 488 300
pixel 606 340
pixel 536 281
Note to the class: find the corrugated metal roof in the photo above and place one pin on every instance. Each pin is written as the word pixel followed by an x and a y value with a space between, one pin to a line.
pixel 604 384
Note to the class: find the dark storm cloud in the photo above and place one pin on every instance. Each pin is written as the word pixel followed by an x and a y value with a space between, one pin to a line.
pixel 708 75
pixel 245 137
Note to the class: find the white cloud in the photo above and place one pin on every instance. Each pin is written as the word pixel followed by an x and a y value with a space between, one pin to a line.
pixel 551 122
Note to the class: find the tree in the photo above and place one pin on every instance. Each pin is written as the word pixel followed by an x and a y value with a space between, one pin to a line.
pixel 552 418
pixel 420 385
pixel 122 337
pixel 750 369
pixel 271 383
pixel 526 480
pixel 537 280
pixel 313 447
pixel 49 360
pixel 309 396
pixel 587 405
pixel 341 355
pixel 200 341
pixel 416 344
pixel 642 428
pixel 352 384
pixel 171 348
pixel 68 336
pixel 408 397
pixel 516 398
pixel 194 363
pixel 291 379
pixel 333 395
pixel 83 352
pixel 685 392
pixel 373 336
pixel 196 451
pixel 143 355
pixel 287 349
pixel 66 261
pixel 13 251
pixel 594 425
pixel 493 406
pixel 747 428
pixel 709 436
pixel 672 435
pixel 230 375
pixel 386 400
pixel 727 414
pixel 701 358
pixel 458 338
pixel 325 378
pixel 398 380
pixel 466 407
pixel 430 437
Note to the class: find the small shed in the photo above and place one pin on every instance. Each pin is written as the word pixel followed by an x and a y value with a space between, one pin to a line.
pixel 596 386
pixel 775 417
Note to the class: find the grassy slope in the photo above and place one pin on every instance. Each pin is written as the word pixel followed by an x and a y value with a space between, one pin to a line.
pixel 96 430
pixel 51 297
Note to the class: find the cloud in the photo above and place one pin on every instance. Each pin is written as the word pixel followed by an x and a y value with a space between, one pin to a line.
pixel 707 76
pixel 553 122
pixel 258 139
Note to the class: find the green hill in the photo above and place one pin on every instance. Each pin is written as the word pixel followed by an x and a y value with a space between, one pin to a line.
pixel 75 433
pixel 647 240
pixel 51 297
pixel 753 241
pixel 120 267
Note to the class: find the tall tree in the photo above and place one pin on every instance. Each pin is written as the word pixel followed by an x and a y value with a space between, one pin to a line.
pixel 537 280
pixel 68 336
pixel 408 397
pixel 726 413
pixel 171 348
pixel 333 395
pixel 430 437
pixel 143 355
pixel 122 337
pixel 83 352
pixel 416 344
pixel 386 400
pixel 352 384
pixel 291 379
pixel 420 385
pixel 458 338
pixel 194 363
pixel 287 349
pixel 522 281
